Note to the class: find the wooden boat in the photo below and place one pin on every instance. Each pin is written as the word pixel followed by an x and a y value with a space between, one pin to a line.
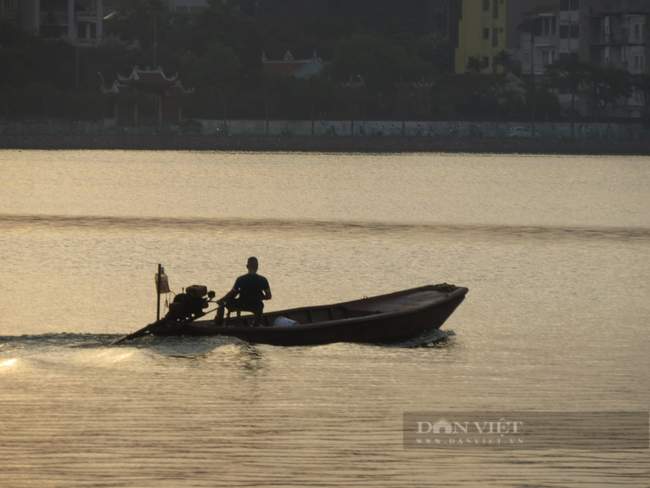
pixel 381 319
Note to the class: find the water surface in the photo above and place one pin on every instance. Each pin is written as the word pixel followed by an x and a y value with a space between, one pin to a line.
pixel 555 251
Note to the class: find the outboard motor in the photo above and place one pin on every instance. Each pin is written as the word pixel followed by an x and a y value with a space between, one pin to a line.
pixel 189 306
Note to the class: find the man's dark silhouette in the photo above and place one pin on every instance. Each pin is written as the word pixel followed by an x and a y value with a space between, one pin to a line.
pixel 247 293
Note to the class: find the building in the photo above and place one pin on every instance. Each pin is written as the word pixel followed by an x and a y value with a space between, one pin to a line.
pixel 166 90
pixel 9 12
pixel 481 33
pixel 298 68
pixel 600 32
pixel 191 7
pixel 540 39
pixel 619 38
pixel 77 20
pixel 615 33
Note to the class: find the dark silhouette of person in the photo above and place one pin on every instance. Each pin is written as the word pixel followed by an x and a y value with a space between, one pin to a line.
pixel 247 293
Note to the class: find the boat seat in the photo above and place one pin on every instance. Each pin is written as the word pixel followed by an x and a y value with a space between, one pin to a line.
pixel 257 315
pixel 246 302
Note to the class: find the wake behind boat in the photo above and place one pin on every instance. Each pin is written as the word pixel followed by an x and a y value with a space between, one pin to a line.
pixel 385 318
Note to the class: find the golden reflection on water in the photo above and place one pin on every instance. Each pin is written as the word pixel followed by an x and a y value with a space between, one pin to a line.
pixel 555 252
pixel 7 363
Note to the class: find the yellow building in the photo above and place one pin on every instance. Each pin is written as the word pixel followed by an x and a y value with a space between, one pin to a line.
pixel 481 33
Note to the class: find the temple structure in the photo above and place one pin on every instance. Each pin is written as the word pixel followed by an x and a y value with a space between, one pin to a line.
pixel 145 90
pixel 298 68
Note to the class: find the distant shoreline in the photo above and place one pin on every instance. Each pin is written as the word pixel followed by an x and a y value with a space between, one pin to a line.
pixel 348 144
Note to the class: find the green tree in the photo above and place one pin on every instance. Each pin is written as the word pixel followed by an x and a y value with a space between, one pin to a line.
pixel 505 61
pixel 641 84
pixel 435 50
pixel 474 65
pixel 378 61
pixel 136 20
pixel 606 87
pixel 567 74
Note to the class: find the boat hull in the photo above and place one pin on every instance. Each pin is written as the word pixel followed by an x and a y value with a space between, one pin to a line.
pixel 384 319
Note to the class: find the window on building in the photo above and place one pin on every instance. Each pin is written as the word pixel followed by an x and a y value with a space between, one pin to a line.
pixel 486 62
pixel 548 56
pixel 637 32
pixel 574 31
pixel 569 4
pixel 486 33
pixel 495 37
pixel 637 97
pixel 564 55
pixel 81 30
pixel 93 30
pixel 486 5
pixel 564 32
pixel 495 10
pixel 549 26
pixel 639 62
pixel 574 56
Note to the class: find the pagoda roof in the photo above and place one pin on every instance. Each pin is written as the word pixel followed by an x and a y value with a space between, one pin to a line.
pixel 117 89
pixel 300 68
pixel 146 78
pixel 285 68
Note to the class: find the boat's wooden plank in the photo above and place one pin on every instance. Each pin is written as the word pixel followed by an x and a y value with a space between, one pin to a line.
pixel 398 303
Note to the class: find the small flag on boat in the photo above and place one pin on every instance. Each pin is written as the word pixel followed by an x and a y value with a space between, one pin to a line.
pixel 162 283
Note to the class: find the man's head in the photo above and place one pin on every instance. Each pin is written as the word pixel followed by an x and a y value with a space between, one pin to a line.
pixel 252 264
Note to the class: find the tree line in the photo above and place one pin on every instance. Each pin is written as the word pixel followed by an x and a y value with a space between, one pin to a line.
pixel 218 52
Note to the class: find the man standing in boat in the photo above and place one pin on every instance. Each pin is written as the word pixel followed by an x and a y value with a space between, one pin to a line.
pixel 247 294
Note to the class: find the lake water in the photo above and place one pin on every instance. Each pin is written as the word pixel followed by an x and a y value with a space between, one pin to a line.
pixel 554 249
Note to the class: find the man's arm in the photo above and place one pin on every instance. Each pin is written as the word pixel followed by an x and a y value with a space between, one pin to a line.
pixel 266 294
pixel 228 296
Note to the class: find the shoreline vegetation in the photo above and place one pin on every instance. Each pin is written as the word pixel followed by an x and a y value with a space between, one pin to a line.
pixel 348 144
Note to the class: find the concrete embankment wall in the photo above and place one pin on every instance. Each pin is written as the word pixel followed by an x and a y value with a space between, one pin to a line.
pixel 397 144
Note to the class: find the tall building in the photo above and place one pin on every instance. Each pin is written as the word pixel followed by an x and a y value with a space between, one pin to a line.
pixel 481 33
pixel 618 34
pixel 604 33
pixel 9 12
pixel 543 39
pixel 192 7
pixel 78 20
pixel 618 38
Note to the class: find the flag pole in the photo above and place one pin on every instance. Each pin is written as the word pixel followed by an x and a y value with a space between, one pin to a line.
pixel 159 277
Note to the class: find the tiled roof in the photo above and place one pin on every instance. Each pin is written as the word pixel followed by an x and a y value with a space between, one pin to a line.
pixel 285 68
pixel 147 77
